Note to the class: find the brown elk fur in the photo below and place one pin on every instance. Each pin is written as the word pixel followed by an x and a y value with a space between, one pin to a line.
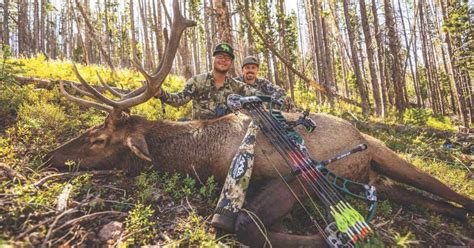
pixel 205 148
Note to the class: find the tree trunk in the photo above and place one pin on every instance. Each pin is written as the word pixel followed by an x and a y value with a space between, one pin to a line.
pixel 394 45
pixel 186 59
pixel 36 27
pixel 312 42
pixel 251 49
pixel 461 102
pixel 133 41
pixel 223 25
pixel 371 58
pixel 106 35
pixel 158 27
pixel 355 60
pixel 380 58
pixel 207 19
pixel 6 17
pixel 415 76
pixel 316 25
pixel 329 72
pixel 282 23
pixel 23 46
pixel 223 21
pixel 424 49
pixel 52 51
pixel 148 61
pixel 91 31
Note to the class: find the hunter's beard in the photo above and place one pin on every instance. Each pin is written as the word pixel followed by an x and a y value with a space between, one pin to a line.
pixel 223 71
pixel 250 77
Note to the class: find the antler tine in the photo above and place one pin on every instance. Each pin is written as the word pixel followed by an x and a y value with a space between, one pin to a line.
pixel 140 68
pixel 83 101
pixel 82 91
pixel 110 89
pixel 180 23
pixel 90 89
pixel 153 82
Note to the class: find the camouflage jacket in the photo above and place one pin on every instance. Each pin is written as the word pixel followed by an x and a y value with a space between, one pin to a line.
pixel 208 102
pixel 266 87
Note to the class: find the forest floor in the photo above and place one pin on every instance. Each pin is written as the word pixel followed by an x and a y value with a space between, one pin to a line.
pixel 111 208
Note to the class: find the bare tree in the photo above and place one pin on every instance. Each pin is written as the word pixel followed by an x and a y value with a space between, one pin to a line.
pixel 394 44
pixel 371 58
pixel 91 31
pixel 355 59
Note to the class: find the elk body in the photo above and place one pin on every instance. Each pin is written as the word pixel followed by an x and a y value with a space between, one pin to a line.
pixel 205 148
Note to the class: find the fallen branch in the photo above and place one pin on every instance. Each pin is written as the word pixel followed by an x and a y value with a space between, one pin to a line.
pixel 11 173
pixel 50 230
pixel 89 216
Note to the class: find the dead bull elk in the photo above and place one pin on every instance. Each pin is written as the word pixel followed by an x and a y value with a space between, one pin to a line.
pixel 207 147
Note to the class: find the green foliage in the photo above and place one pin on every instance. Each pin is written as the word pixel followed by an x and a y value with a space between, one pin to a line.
pixel 178 186
pixel 31 199
pixel 461 29
pixel 209 190
pixel 405 240
pixel 374 241
pixel 146 185
pixel 384 208
pixel 417 116
pixel 10 94
pixel 38 67
pixel 195 232
pixel 139 225
pixel 425 117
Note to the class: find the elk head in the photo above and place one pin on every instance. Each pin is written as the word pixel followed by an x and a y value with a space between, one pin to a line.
pixel 120 139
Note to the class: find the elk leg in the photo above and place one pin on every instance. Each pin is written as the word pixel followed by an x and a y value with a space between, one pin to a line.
pixel 270 205
pixel 391 165
pixel 404 196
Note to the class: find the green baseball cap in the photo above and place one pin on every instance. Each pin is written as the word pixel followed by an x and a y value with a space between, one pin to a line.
pixel 250 60
pixel 225 48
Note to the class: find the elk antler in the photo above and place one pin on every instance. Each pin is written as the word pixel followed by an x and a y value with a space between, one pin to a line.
pixel 152 81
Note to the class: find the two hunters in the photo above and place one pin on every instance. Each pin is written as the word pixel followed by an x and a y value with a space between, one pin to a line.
pixel 209 91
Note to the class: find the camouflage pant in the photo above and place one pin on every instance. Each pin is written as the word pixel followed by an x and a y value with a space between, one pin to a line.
pixel 235 187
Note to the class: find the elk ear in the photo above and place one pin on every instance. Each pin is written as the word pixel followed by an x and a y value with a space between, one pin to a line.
pixel 139 147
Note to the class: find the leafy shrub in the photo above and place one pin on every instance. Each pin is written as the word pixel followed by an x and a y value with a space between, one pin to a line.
pixel 209 190
pixel 195 232
pixel 417 116
pixel 139 226
pixel 10 94
pixel 179 186
pixel 146 184
pixel 425 117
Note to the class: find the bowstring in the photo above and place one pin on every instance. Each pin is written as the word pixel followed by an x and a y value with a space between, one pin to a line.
pixel 313 176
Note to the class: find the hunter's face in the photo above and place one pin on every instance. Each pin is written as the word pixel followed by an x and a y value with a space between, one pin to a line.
pixel 222 62
pixel 250 73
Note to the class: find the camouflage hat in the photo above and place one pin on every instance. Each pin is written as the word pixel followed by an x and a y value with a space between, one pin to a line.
pixel 250 60
pixel 225 48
